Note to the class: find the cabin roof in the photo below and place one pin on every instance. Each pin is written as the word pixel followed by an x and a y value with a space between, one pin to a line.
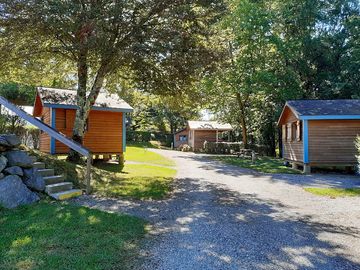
pixel 54 97
pixel 323 109
pixel 208 125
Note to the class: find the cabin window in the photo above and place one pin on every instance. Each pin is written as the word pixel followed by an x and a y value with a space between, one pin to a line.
pixel 183 138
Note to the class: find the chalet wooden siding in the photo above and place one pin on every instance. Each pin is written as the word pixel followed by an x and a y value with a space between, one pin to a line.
pixel 200 136
pixel 293 148
pixel 104 133
pixel 44 137
pixel 332 141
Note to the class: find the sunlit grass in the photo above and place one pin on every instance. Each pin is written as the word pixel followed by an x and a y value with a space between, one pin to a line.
pixel 262 164
pixel 334 192
pixel 140 154
pixel 52 235
pixel 135 180
pixel 146 180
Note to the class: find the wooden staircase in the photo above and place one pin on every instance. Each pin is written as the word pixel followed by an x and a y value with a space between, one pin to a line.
pixel 56 187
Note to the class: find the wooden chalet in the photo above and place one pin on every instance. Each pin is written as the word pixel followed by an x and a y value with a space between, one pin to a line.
pixel 197 132
pixel 105 129
pixel 320 132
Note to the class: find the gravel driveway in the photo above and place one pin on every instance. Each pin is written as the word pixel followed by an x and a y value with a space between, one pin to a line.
pixel 224 217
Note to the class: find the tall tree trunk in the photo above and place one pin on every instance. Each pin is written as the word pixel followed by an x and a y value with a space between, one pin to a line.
pixel 242 119
pixel 85 103
pixel 79 123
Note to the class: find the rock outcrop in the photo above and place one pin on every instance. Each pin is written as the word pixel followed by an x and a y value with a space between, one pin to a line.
pixel 18 178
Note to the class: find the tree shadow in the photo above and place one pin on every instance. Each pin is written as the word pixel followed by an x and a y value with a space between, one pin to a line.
pixel 207 226
pixel 316 180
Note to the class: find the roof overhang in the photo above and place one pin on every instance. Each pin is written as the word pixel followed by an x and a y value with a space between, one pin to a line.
pixel 329 117
pixel 95 108
pixel 287 106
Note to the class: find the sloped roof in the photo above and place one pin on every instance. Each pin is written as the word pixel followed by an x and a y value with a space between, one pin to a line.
pixel 67 97
pixel 325 107
pixel 208 125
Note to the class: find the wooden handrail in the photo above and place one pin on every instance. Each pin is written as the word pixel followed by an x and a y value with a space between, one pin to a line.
pixel 54 134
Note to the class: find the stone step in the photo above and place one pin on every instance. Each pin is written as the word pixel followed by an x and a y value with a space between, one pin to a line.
pixel 33 158
pixel 49 180
pixel 59 187
pixel 39 165
pixel 46 172
pixel 67 194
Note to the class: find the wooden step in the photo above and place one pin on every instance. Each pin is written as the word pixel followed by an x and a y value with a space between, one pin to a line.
pixel 39 165
pixel 67 194
pixel 59 187
pixel 54 179
pixel 46 172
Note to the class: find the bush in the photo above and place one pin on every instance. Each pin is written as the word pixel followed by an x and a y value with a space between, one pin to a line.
pixel 138 136
pixel 222 147
pixel 185 148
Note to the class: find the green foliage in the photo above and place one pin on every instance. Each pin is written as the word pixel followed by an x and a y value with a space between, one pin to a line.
pixel 281 50
pixel 52 235
pixel 334 192
pixel 222 147
pixel 20 94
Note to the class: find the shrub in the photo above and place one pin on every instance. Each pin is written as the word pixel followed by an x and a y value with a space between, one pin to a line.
pixel 185 148
pixel 222 147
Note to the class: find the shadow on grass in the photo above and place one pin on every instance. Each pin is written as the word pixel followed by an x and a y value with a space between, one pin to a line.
pixel 51 235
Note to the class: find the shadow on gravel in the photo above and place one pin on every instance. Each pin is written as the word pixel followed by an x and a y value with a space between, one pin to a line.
pixel 206 227
pixel 328 180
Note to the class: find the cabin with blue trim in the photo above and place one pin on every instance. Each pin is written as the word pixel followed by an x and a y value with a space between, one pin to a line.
pixel 105 128
pixel 320 132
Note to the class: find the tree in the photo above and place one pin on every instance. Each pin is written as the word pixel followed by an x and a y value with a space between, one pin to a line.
pixel 252 69
pixel 160 45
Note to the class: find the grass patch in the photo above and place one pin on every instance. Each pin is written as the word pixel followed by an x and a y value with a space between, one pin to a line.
pixel 52 235
pixel 262 164
pixel 135 180
pixel 334 192
pixel 141 154
pixel 140 181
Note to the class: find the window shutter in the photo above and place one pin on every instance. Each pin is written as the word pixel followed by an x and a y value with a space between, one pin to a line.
pixel 298 131
pixel 283 133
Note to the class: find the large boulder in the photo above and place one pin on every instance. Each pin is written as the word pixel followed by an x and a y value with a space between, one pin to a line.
pixel 11 139
pixel 13 192
pixel 33 180
pixel 18 158
pixel 3 163
pixel 15 170
pixel 3 142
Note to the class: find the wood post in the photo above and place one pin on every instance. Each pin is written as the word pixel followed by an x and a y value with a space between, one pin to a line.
pixel 307 169
pixel 88 174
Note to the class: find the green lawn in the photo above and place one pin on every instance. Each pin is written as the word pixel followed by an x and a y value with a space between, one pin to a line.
pixel 262 164
pixel 149 178
pixel 135 180
pixel 52 235
pixel 141 154
pixel 334 192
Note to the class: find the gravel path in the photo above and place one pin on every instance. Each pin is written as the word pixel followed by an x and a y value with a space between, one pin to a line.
pixel 224 217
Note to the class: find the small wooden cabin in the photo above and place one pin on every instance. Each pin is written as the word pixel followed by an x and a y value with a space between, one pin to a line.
pixel 320 132
pixel 106 126
pixel 197 132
